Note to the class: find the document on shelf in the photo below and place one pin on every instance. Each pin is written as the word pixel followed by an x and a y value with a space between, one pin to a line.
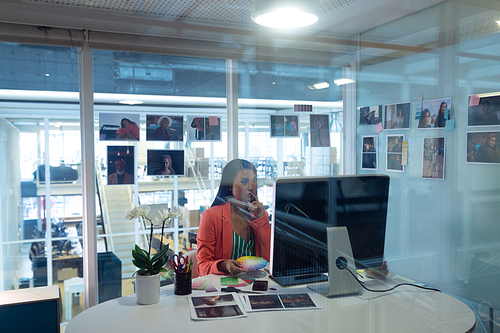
pixel 216 307
pixel 281 301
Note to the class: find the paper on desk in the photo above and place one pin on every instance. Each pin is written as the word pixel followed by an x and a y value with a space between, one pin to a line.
pixel 273 302
pixel 216 307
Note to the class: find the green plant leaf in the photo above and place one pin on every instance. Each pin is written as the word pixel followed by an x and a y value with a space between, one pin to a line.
pixel 163 252
pixel 140 257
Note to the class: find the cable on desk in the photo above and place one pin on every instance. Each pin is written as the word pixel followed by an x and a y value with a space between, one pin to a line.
pixel 362 284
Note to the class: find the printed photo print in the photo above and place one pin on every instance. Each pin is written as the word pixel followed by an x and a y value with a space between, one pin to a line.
pixel 397 116
pixel 284 126
pixel 370 115
pixel 369 153
pixel 435 113
pixel 433 158
pixel 165 162
pixel 164 128
pixel 215 307
pixel 116 126
pixel 395 153
pixel 319 130
pixel 482 147
pixel 483 111
pixel 204 128
pixel 120 165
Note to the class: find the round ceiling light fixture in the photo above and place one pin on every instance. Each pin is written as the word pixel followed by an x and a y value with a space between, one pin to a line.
pixel 286 14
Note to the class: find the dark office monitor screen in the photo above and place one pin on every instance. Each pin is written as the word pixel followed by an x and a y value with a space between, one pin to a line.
pixel 305 206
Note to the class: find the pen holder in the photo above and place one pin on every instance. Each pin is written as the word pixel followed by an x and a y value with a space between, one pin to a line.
pixel 182 283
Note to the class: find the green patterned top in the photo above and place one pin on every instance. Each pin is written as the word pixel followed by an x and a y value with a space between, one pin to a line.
pixel 242 248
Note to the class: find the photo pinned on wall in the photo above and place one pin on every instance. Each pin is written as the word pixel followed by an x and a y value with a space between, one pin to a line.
pixel 435 113
pixel 370 115
pixel 397 116
pixel 433 158
pixel 165 162
pixel 204 128
pixel 284 126
pixel 484 111
pixel 121 165
pixel 116 126
pixel 319 130
pixel 395 153
pixel 164 128
pixel 482 147
pixel 369 153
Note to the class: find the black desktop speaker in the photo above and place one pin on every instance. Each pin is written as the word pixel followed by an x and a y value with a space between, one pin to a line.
pixel 109 276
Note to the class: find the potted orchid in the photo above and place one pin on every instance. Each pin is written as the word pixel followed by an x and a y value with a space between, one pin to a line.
pixel 147 277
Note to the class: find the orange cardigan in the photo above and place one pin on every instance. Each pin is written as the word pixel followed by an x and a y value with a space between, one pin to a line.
pixel 215 238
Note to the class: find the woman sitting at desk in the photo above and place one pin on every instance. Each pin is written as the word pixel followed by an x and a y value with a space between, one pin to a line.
pixel 236 225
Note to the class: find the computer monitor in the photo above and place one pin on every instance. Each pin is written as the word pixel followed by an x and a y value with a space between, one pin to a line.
pixel 303 209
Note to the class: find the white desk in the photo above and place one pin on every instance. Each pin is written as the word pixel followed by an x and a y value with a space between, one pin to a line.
pixel 402 310
pixel 71 286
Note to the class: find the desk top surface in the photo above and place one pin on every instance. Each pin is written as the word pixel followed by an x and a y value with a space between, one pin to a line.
pixel 405 309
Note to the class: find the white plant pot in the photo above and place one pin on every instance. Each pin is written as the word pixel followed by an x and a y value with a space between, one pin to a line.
pixel 147 289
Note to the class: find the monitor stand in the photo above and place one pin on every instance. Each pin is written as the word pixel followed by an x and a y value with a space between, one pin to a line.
pixel 340 281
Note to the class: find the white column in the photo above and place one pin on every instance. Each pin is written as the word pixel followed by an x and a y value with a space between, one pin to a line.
pixel 48 204
pixel 85 73
pixel 349 100
pixel 232 108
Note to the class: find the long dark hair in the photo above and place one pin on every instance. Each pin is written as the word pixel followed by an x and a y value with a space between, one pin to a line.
pixel 421 123
pixel 228 175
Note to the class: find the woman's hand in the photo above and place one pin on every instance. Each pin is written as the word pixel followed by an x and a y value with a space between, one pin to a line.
pixel 231 266
pixel 256 207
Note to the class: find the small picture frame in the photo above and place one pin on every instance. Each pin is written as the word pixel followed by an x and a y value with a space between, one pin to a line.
pixel 121 168
pixel 165 162
pixel 164 128
pixel 397 116
pixel 369 152
pixel 395 153
pixel 319 126
pixel 484 110
pixel 201 128
pixel 435 113
pixel 433 158
pixel 483 147
pixel 116 126
pixel 283 126
pixel 370 115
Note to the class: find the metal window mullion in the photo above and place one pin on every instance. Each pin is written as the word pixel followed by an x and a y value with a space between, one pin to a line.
pixel 88 176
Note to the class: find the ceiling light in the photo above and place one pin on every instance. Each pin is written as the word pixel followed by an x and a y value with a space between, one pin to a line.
pixel 130 102
pixel 286 14
pixel 342 81
pixel 498 22
pixel 321 85
pixel 47 74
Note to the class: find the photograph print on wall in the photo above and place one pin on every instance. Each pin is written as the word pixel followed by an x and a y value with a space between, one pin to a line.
pixel 435 113
pixel 395 153
pixel 369 153
pixel 482 147
pixel 433 158
pixel 397 116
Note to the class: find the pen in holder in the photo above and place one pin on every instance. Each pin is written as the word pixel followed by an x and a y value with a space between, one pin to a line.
pixel 182 283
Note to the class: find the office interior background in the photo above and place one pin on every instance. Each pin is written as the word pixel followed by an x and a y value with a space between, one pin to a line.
pixel 63 63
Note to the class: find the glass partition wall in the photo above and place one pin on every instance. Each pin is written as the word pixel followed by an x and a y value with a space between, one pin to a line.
pixel 188 97
pixel 441 67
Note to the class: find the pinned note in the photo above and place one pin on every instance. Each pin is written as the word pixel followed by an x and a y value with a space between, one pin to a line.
pixel 379 127
pixel 474 100
pixel 213 121
pixel 450 125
